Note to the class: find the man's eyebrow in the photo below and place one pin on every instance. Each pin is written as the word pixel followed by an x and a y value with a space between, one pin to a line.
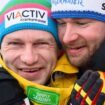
pixel 45 39
pixel 14 39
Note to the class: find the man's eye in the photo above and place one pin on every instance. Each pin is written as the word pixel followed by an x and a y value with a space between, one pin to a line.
pixel 81 23
pixel 61 24
pixel 41 44
pixel 14 43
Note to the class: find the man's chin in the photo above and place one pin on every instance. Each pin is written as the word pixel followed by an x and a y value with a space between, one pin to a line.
pixel 77 62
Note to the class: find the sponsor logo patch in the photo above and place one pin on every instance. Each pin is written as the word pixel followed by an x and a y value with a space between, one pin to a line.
pixel 43 96
pixel 31 15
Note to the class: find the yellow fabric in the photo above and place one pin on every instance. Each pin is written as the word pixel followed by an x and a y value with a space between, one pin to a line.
pixel 77 87
pixel 62 85
pixel 102 76
pixel 64 88
pixel 69 77
pixel 83 93
pixel 89 101
pixel 64 66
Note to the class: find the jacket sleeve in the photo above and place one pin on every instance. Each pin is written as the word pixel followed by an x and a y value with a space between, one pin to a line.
pixel 10 91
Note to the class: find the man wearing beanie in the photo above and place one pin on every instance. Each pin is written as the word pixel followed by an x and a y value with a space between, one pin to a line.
pixel 81 28
pixel 29 52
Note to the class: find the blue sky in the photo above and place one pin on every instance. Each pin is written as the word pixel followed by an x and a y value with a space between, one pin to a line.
pixel 2 3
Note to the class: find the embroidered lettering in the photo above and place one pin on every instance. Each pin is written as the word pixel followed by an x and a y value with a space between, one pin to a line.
pixel 72 2
pixel 10 16
pixel 103 6
pixel 44 97
pixel 26 15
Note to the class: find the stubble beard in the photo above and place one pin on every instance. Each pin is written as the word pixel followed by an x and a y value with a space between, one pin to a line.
pixel 78 62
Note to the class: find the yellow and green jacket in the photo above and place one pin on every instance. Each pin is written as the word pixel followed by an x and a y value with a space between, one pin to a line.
pixel 58 91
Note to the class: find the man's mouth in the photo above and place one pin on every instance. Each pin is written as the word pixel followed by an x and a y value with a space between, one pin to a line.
pixel 77 46
pixel 31 70
pixel 76 50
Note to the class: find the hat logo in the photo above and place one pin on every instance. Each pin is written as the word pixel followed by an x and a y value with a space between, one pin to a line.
pixel 14 15
pixel 26 15
pixel 103 6
pixel 72 2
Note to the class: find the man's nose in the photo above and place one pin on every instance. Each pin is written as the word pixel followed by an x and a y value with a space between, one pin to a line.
pixel 29 56
pixel 70 34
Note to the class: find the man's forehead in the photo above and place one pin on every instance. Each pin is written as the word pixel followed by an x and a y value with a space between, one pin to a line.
pixel 28 33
